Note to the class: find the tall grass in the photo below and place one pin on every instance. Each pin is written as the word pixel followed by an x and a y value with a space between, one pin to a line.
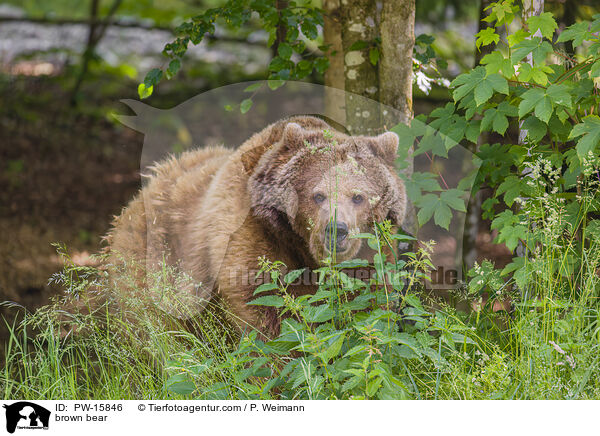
pixel 381 343
pixel 82 347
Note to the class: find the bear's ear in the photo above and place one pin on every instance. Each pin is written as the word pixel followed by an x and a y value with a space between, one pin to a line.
pixel 385 146
pixel 293 136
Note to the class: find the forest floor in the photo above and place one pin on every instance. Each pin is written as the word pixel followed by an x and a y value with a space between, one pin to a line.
pixel 64 173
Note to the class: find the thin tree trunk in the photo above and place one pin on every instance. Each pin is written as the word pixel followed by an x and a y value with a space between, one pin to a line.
pixel 96 32
pixel 481 52
pixel 397 30
pixel 473 219
pixel 568 18
pixel 530 8
pixel 335 106
pixel 281 30
pixel 359 26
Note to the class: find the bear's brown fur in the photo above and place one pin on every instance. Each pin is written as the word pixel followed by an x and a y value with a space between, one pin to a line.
pixel 211 213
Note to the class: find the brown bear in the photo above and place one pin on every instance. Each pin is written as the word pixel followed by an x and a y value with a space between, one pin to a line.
pixel 294 192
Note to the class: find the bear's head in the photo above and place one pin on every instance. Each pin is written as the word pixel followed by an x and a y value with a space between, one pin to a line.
pixel 326 186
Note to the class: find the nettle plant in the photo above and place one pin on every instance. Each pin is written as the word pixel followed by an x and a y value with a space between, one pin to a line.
pixel 545 177
pixel 351 339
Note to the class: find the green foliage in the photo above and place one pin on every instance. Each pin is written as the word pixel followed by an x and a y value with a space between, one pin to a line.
pixel 352 339
pixel 529 85
pixel 293 61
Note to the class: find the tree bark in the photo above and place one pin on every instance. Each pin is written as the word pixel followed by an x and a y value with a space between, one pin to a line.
pixel 361 77
pixel 335 106
pixel 397 30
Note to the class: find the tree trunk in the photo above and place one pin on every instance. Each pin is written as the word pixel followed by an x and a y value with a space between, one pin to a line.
pixel 95 34
pixel 389 81
pixel 473 219
pixel 281 30
pixel 359 27
pixel 568 18
pixel 335 106
pixel 530 8
pixel 397 30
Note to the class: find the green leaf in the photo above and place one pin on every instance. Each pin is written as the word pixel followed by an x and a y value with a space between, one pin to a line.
pixel 353 382
pixel 510 231
pixel 589 130
pixel 321 64
pixel 359 45
pixel 265 287
pixel 497 117
pixel 538 48
pixel 543 109
pixel 153 77
pixel 522 271
pixel 353 263
pixel 293 275
pixel 498 82
pixel 245 105
pixel 577 33
pixel 268 300
pixel 253 87
pixel 530 99
pixel 373 386
pixel 274 84
pixel 143 91
pixel 320 313
pixel 334 349
pixel 544 22
pixel 180 384
pixel 559 94
pixel 453 198
pixel 439 207
pixel 473 130
pixel 595 70
pixel 537 74
pixel 536 129
pixel 173 68
pixel 486 36
pixel 482 84
pixel 511 187
pixel 495 62
pixel 502 12
pixel 483 92
pixel 284 50
pixel 374 55
pixel 517 37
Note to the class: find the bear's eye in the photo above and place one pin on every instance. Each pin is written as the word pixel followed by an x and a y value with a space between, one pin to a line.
pixel 319 198
pixel 357 199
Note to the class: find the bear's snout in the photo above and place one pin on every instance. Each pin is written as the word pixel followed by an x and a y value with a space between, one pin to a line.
pixel 336 232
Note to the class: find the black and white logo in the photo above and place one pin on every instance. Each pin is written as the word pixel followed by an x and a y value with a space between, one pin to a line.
pixel 26 415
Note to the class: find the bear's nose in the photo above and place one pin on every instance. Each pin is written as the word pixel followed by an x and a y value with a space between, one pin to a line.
pixel 340 230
